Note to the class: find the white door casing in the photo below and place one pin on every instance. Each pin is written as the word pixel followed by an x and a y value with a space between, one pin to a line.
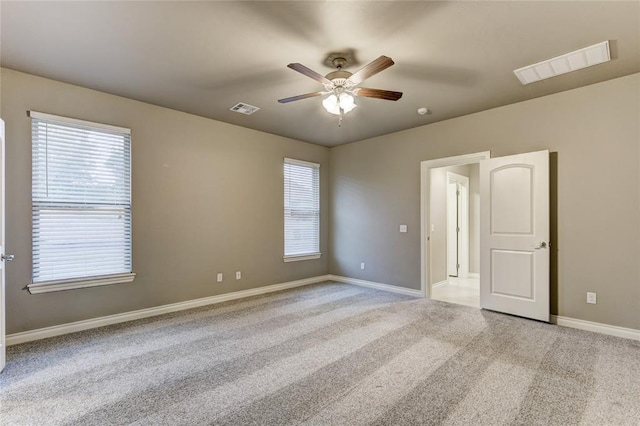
pixel 3 345
pixel 514 235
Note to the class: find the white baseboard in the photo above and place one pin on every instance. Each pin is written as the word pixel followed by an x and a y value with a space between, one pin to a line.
pixel 473 275
pixel 611 330
pixel 379 286
pixel 438 284
pixel 57 330
pixel 72 327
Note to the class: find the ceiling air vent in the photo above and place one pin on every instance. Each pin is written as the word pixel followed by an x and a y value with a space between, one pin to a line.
pixel 573 61
pixel 243 108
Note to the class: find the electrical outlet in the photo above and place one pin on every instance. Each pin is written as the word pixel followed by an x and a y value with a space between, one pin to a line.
pixel 362 266
pixel 403 228
pixel 238 275
pixel 591 298
pixel 219 277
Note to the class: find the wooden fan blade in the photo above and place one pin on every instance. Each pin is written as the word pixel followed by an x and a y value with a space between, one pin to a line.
pixel 371 69
pixel 309 73
pixel 377 93
pixel 297 98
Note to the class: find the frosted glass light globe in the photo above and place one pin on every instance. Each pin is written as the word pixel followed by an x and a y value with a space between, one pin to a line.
pixel 333 103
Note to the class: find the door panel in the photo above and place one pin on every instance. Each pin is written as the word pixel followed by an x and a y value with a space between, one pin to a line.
pixel 512 200
pixel 517 279
pixel 514 221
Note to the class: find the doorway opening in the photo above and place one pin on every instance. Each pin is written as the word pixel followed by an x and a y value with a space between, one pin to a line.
pixel 450 204
pixel 513 231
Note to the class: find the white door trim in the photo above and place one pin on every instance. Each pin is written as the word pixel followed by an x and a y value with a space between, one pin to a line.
pixel 3 343
pixel 425 194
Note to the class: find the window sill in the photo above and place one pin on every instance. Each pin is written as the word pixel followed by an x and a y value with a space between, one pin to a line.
pixel 299 257
pixel 61 285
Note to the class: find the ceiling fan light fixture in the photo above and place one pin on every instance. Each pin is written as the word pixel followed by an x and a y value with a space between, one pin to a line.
pixel 334 104
pixel 330 103
pixel 341 86
pixel 347 103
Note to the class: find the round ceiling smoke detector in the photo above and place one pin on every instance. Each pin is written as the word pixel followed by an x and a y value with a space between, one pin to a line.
pixel 424 111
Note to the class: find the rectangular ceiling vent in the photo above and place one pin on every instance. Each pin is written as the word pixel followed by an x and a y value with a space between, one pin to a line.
pixel 573 61
pixel 243 108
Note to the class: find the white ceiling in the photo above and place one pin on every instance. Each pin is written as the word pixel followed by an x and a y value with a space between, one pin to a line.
pixel 203 57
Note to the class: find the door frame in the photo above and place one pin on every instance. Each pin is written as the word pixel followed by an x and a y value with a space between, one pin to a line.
pixel 3 264
pixel 425 205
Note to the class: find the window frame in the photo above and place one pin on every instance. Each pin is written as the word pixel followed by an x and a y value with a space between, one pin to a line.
pixel 46 286
pixel 307 255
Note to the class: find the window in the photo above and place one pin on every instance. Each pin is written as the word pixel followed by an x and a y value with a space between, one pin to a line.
pixel 81 204
pixel 301 210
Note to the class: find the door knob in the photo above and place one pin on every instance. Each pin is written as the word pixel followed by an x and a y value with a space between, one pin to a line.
pixel 7 257
pixel 541 246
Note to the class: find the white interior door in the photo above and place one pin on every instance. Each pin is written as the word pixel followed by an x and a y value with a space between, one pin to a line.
pixel 514 235
pixel 3 346
pixel 457 225
pixel 453 195
pixel 463 230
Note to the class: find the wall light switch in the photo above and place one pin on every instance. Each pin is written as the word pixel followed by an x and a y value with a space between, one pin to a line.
pixel 238 275
pixel 591 297
pixel 403 228
pixel 362 265
pixel 433 227
pixel 219 277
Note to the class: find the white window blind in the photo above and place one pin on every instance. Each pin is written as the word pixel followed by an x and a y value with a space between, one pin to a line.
pixel 81 199
pixel 301 208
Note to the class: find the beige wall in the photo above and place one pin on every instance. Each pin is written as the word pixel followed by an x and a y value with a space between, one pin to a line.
pixel 593 134
pixel 207 198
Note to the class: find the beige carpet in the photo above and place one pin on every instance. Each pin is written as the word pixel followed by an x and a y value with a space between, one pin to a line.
pixel 327 354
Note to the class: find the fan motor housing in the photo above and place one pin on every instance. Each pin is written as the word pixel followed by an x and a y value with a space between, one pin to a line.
pixel 339 74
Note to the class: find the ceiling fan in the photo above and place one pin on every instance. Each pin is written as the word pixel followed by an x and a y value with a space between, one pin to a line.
pixel 341 85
